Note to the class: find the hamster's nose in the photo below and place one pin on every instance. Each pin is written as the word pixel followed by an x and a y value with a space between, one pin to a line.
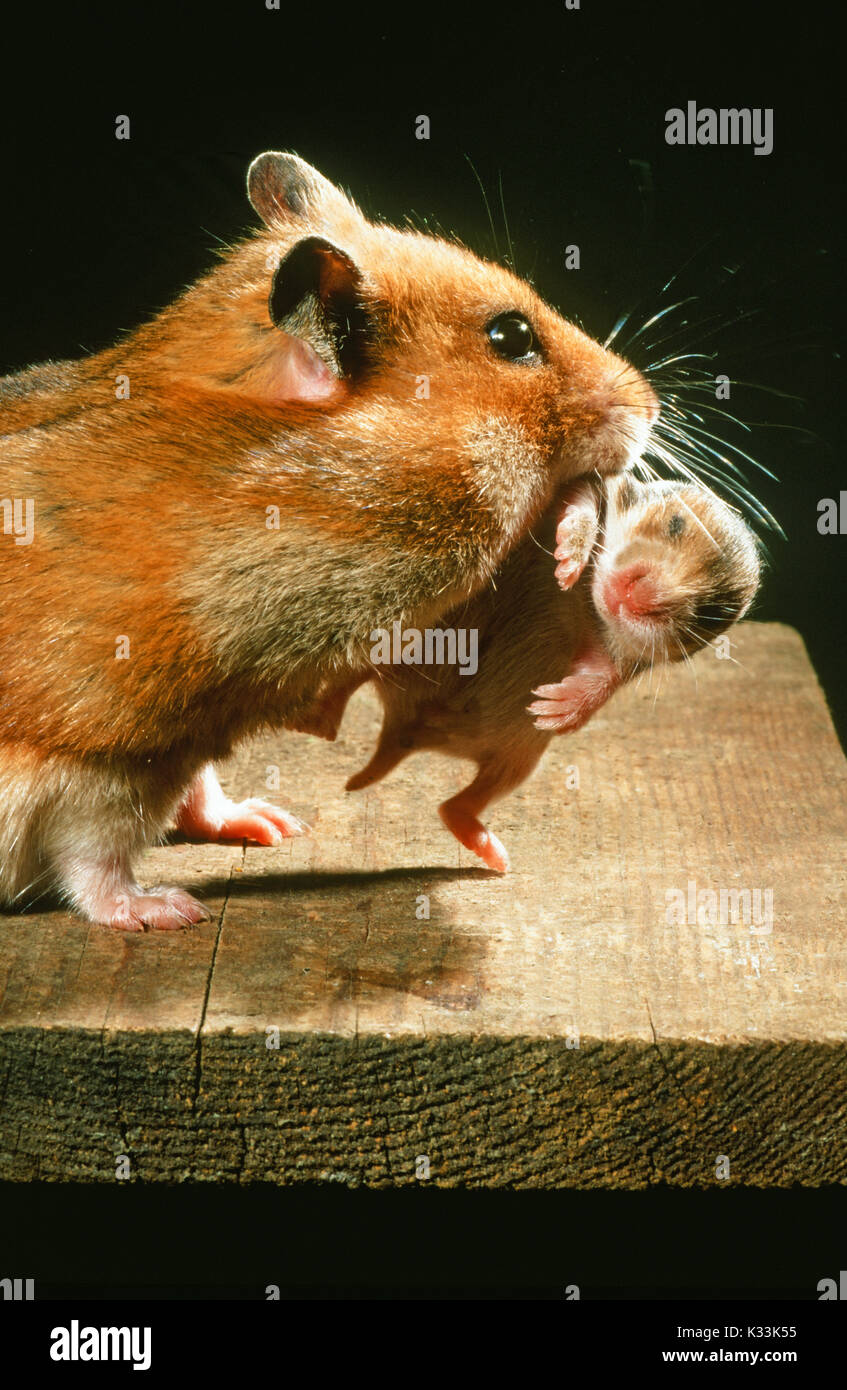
pixel 651 404
pixel 631 592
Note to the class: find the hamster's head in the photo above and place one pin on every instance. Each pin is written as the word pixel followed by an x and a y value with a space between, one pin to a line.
pixel 441 379
pixel 676 568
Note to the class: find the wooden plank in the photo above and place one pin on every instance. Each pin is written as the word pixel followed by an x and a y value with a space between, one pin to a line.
pixel 552 1027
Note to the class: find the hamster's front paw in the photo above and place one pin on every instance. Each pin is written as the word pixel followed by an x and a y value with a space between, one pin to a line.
pixel 576 535
pixel 206 813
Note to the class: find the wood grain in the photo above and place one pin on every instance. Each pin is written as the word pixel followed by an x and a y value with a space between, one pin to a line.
pixel 547 1028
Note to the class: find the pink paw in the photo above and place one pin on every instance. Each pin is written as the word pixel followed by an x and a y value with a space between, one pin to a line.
pixel 162 909
pixel 207 813
pixel 575 538
pixel 255 820
pixel 567 706
pixel 491 851
pixel 567 572
pixel 470 832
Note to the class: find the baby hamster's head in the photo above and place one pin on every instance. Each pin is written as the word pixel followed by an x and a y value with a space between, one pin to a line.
pixel 676 568
pixel 442 381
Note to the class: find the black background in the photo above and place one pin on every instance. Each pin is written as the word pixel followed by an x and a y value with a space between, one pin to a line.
pixel 565 111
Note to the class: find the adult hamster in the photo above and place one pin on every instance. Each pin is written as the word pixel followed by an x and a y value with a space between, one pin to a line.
pixel 341 425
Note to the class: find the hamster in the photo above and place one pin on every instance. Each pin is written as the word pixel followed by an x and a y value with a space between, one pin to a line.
pixel 341 425
pixel 672 568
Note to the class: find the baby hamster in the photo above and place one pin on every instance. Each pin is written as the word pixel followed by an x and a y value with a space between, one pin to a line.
pixel 674 566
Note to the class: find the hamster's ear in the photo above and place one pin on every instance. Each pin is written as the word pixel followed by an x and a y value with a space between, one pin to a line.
pixel 315 298
pixel 282 187
pixel 320 329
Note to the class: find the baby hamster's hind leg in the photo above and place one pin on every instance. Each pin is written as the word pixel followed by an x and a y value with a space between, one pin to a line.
pixel 461 813
pixel 206 813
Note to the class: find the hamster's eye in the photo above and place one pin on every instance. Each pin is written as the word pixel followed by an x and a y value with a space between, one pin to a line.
pixel 511 337
pixel 676 526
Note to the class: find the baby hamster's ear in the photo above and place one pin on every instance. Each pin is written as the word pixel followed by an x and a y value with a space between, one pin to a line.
pixel 283 187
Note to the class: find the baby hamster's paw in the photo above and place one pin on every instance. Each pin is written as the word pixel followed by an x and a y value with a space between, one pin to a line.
pixel 207 813
pixel 576 534
pixel 471 832
pixel 567 706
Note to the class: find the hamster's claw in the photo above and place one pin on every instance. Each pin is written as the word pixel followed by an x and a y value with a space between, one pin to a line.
pixel 162 909
pixel 567 572
pixel 206 813
pixel 260 822
pixel 471 833
pixel 257 821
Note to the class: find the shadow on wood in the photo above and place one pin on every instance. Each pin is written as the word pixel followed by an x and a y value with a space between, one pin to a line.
pixel 371 1007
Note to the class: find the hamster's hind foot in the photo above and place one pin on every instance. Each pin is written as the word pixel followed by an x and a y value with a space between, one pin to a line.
pixel 162 909
pixel 206 813
pixel 104 892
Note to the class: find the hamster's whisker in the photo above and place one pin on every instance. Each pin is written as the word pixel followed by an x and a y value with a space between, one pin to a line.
pixel 686 412
pixel 703 527
pixel 684 435
pixel 686 657
pixel 694 330
pixel 655 319
pixel 623 320
pixel 511 261
pixel 487 206
pixel 43 877
pixel 697 328
pixel 686 263
pixel 680 357
pixel 682 411
pixel 696 462
pixel 532 536
pixel 734 448
pixel 627 315
pixel 652 668
pixel 643 467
